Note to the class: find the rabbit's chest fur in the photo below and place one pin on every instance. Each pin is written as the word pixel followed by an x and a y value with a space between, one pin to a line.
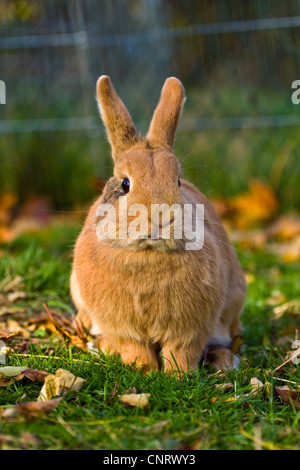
pixel 149 297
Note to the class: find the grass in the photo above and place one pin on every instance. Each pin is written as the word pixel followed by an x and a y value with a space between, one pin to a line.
pixel 190 413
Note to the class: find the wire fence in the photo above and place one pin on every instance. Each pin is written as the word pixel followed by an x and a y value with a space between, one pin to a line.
pixel 139 42
pixel 237 61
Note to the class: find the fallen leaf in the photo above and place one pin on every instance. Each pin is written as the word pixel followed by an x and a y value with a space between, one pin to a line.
pixel 9 374
pixel 288 396
pixel 139 400
pixel 285 342
pixel 7 284
pixel 35 374
pixel 14 327
pixel 13 296
pixel 289 252
pixel 69 334
pixel 7 336
pixel 285 228
pixel 226 386
pixel 9 371
pixel 29 410
pixel 256 205
pixel 5 381
pixel 256 386
pixel 293 306
pixel 276 298
pixel 248 239
pixel 59 384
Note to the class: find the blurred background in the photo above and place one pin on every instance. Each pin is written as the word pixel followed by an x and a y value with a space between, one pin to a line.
pixel 236 59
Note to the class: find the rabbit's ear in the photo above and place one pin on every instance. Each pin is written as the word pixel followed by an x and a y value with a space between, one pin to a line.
pixel 120 129
pixel 167 113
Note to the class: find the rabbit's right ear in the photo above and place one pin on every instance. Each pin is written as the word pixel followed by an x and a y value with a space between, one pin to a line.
pixel 167 113
pixel 120 129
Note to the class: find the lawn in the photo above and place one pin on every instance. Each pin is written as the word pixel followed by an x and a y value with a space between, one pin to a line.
pixel 192 412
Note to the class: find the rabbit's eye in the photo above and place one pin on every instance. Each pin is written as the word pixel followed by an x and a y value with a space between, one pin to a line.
pixel 179 182
pixel 125 185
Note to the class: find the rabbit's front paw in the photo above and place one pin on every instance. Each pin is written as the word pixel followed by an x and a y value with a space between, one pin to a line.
pixel 101 343
pixel 140 355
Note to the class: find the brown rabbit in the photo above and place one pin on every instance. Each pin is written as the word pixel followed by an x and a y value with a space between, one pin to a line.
pixel 152 300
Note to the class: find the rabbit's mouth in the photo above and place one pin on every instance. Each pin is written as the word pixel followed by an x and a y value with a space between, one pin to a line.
pixel 162 245
pixel 158 234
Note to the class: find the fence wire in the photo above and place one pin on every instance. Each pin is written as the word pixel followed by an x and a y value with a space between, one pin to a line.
pixel 236 59
pixel 50 76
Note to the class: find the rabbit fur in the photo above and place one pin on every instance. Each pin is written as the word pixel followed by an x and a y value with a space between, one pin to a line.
pixel 154 302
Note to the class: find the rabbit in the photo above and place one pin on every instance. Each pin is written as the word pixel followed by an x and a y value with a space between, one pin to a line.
pixel 151 300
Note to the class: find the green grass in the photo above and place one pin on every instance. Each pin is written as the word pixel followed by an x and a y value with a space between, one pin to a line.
pixel 181 413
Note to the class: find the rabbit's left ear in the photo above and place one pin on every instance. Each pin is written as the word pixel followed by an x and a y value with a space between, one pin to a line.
pixel 120 129
pixel 167 113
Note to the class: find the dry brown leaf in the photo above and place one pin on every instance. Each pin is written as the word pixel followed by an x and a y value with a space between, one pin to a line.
pixel 248 210
pixel 60 383
pixel 5 381
pixel 139 400
pixel 7 202
pixel 285 342
pixel 226 386
pixel 256 386
pixel 289 396
pixel 276 298
pixel 35 374
pixel 256 205
pixel 29 410
pixel 289 252
pixel 9 374
pixel 14 296
pixel 14 327
pixel 293 307
pixel 68 333
pixel 8 284
pixel 6 234
pixel 285 228
pixel 248 239
pixel 6 337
